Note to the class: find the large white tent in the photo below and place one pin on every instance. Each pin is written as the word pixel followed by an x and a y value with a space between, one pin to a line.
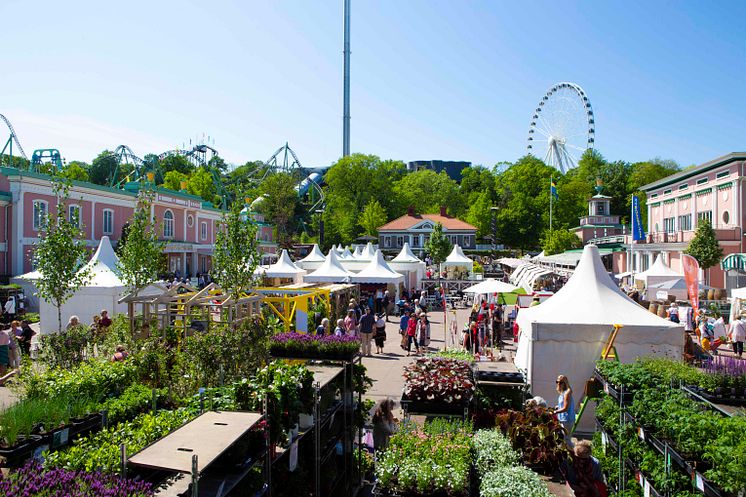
pixel 284 268
pixel 331 271
pixel 377 271
pixel 27 282
pixel 409 265
pixel 313 260
pixel 657 273
pixel 368 253
pixel 457 258
pixel 102 291
pixel 566 333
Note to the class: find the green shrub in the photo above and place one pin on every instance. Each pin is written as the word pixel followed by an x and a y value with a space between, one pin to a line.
pixel 94 380
pixel 67 348
pixel 137 398
pixel 513 481
pixel 493 450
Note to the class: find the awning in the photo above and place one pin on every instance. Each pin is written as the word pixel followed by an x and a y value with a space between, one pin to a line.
pixel 734 261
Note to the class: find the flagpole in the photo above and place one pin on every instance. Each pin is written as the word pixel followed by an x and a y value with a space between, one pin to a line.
pixel 551 201
pixel 631 262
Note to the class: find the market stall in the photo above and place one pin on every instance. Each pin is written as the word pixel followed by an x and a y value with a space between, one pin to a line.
pixel 282 272
pixel 566 334
pixel 409 265
pixel 313 260
pixel 331 271
pixel 457 265
pixel 377 275
pixel 657 273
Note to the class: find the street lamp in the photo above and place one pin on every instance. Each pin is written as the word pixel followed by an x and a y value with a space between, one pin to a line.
pixel 493 221
pixel 320 212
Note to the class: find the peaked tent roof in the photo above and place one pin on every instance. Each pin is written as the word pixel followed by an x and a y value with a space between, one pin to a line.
pixel 377 271
pixel 103 266
pixel 346 254
pixel 490 285
pixel 315 255
pixel 591 297
pixel 406 255
pixel 368 253
pixel 331 271
pixel 283 268
pixel 658 269
pixel 457 258
pixel 357 253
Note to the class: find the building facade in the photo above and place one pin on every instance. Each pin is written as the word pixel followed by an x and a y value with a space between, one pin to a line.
pixel 678 203
pixel 185 223
pixel 600 222
pixel 415 229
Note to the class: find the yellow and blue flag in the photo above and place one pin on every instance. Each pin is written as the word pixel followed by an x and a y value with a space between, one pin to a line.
pixel 553 189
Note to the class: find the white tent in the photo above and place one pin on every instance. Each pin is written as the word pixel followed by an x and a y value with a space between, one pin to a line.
pixel 409 265
pixel 101 292
pixel 313 260
pixel 377 271
pixel 346 254
pixel 566 333
pixel 285 268
pixel 657 273
pixel 27 282
pixel 331 271
pixel 457 258
pixel 358 252
pixel 490 286
pixel 367 253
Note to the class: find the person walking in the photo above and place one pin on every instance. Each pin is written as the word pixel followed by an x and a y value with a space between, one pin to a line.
pixel 565 409
pixel 412 335
pixel 7 351
pixel 350 322
pixel 386 304
pixel 584 473
pixel 105 320
pixel 380 334
pixel 384 424
pixel 738 335
pixel 423 332
pixel 403 321
pixel 24 340
pixel 367 323
pixel 673 312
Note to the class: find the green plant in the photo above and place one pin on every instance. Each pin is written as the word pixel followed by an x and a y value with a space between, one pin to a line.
pixel 66 348
pixel 38 415
pixel 100 451
pixel 136 399
pixel 512 481
pixel 459 355
pixel 94 380
pixel 31 317
pixel 493 450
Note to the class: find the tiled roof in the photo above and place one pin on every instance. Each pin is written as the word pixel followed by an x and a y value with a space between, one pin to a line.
pixel 409 220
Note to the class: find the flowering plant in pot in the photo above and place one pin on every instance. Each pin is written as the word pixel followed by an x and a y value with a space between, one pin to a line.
pixel 313 346
pixel 435 379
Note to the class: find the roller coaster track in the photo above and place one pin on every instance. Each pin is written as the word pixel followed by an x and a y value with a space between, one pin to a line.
pixel 13 138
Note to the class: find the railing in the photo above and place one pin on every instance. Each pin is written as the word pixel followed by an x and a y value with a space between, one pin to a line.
pixel 722 234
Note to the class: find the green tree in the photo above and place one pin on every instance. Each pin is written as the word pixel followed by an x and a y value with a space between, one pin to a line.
pixel 60 255
pixel 202 184
pixel 103 168
pixel 176 163
pixel 172 180
pixel 372 218
pixel 280 203
pixel 704 246
pixel 643 173
pixel 559 240
pixel 140 252
pixel 438 245
pixel 75 170
pixel 477 181
pixel 236 255
pixel 479 213
pixel 427 191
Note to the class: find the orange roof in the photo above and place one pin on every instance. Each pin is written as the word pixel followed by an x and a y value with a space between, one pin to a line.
pixel 409 220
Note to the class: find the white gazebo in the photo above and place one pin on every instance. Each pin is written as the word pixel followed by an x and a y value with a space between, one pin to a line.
pixel 566 333
pixel 490 286
pixel 377 271
pixel 367 253
pixel 313 260
pixel 102 291
pixel 284 269
pixel 409 265
pixel 331 271
pixel 657 273
pixel 456 259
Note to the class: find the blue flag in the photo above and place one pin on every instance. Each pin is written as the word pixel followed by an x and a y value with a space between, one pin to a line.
pixel 553 189
pixel 638 232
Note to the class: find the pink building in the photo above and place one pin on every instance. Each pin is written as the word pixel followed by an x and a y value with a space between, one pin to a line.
pixel 187 224
pixel 677 203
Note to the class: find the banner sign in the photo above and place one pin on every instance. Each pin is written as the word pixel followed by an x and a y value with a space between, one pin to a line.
pixel 638 233
pixel 691 278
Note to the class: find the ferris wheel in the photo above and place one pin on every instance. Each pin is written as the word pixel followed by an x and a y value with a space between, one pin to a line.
pixel 562 127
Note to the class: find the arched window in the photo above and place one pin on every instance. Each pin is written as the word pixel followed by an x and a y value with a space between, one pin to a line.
pixel 168 224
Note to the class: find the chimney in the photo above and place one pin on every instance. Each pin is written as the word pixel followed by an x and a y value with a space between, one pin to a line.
pixel 443 211
pixel 410 210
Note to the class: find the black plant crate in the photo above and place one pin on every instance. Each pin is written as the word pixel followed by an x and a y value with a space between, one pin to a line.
pixel 726 399
pixel 434 406
pixel 15 456
pixel 301 354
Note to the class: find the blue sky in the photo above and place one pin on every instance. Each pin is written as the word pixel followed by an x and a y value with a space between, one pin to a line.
pixel 431 79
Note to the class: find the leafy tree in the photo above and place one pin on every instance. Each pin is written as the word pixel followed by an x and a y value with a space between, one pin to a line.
pixel 476 181
pixel 438 245
pixel 704 246
pixel 75 170
pixel 559 240
pixel 428 191
pixel 280 203
pixel 218 164
pixel 140 252
pixel 479 213
pixel 172 180
pixel 201 183
pixel 61 255
pixel 236 256
pixel 176 163
pixel 103 167
pixel 643 173
pixel 372 218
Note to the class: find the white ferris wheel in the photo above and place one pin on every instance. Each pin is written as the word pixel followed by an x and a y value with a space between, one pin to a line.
pixel 562 127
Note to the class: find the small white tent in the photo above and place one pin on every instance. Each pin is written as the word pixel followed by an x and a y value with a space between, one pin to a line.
pixel 566 333
pixel 346 254
pixel 657 273
pixel 285 268
pixel 313 260
pixel 331 271
pixel 101 292
pixel 377 271
pixel 490 286
pixel 457 258
pixel 358 252
pixel 368 253
pixel 409 265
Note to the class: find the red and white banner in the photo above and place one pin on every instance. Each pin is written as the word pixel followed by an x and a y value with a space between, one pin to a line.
pixel 691 278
